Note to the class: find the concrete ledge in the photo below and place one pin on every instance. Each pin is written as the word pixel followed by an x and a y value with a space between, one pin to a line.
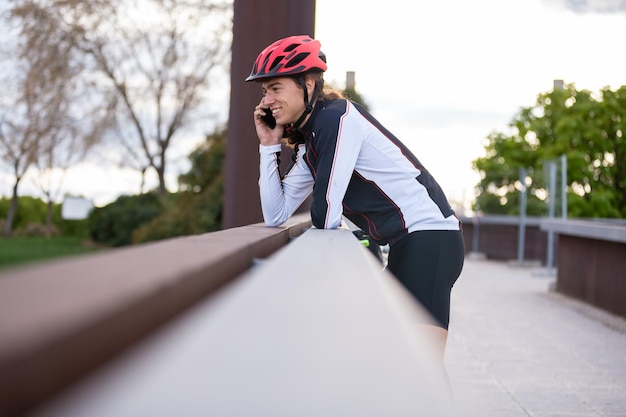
pixel 501 220
pixel 59 320
pixel 319 329
pixel 591 262
pixel 614 232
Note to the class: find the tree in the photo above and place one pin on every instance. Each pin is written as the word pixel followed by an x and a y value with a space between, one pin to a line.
pixel 29 110
pixel 17 146
pixel 40 123
pixel 587 128
pixel 157 58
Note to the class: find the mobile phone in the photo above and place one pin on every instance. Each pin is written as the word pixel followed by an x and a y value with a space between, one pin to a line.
pixel 268 119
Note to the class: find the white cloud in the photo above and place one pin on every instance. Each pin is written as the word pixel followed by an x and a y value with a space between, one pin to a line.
pixel 590 6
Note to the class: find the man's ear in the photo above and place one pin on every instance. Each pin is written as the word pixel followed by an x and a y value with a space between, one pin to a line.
pixel 310 84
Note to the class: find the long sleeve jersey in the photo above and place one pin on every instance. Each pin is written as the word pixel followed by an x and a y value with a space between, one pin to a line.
pixel 356 168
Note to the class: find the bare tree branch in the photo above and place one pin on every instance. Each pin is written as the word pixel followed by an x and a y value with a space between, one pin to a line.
pixel 159 67
pixel 43 115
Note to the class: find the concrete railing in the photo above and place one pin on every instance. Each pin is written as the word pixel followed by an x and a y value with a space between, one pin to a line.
pixel 498 238
pixel 319 328
pixel 591 264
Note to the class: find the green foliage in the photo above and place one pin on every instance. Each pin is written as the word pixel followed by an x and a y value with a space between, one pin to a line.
pixel 76 228
pixel 206 163
pixel 29 210
pixel 30 218
pixel 114 224
pixel 589 129
pixel 199 209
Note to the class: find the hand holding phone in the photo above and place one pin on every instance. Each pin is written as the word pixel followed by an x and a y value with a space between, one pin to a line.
pixel 268 119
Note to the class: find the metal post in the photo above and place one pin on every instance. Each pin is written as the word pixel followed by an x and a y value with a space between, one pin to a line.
pixel 564 186
pixel 551 192
pixel 523 173
pixel 475 232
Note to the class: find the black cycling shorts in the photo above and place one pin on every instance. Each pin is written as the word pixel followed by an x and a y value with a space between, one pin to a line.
pixel 428 264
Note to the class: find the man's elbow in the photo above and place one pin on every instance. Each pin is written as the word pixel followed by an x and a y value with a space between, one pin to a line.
pixel 273 223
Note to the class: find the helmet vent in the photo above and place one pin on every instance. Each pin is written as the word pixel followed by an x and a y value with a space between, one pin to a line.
pixel 291 47
pixel 296 59
pixel 276 61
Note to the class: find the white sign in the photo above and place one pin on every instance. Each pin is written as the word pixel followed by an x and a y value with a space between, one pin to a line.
pixel 76 208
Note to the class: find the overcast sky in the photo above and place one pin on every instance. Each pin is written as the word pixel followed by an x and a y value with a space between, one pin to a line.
pixel 442 75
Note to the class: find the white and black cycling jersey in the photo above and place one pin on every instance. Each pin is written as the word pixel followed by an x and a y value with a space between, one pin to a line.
pixel 356 168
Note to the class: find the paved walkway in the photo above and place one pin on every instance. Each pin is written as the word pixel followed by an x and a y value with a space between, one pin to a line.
pixel 516 348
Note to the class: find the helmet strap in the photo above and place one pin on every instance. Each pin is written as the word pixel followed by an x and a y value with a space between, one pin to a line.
pixel 307 103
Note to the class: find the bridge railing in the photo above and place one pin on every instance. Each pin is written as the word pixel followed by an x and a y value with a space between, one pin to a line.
pixel 59 320
pixel 187 327
pixel 591 265
pixel 589 254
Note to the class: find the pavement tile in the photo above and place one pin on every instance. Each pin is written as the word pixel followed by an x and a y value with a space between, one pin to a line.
pixel 516 348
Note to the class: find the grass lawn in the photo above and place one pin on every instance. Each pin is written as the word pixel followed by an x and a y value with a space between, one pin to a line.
pixel 21 250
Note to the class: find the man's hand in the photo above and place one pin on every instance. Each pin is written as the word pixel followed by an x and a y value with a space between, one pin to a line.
pixel 267 136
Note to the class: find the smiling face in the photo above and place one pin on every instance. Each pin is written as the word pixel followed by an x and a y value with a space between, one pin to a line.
pixel 285 98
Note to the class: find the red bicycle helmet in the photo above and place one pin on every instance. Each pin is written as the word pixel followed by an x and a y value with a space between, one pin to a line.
pixel 288 56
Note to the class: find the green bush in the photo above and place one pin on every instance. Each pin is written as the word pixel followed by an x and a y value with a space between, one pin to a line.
pixel 29 210
pixel 114 224
pixel 75 228
pixel 32 211
pixel 199 208
pixel 193 214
